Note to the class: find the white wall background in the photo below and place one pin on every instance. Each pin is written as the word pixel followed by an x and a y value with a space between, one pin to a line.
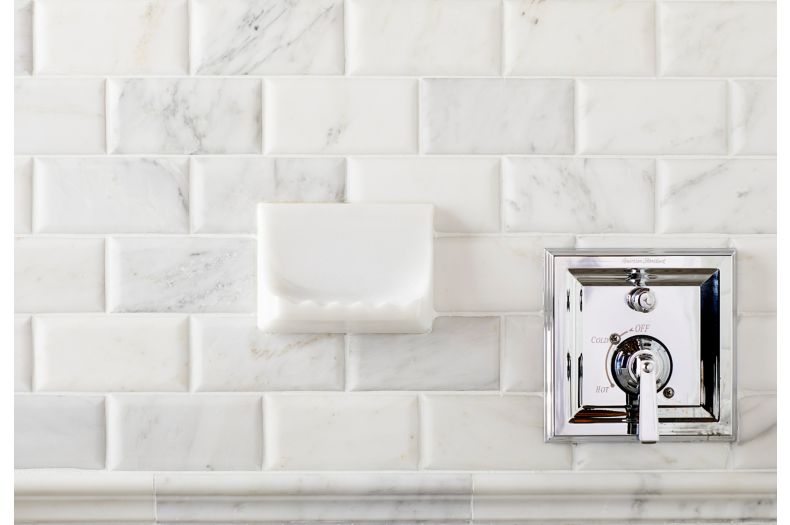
pixel 146 130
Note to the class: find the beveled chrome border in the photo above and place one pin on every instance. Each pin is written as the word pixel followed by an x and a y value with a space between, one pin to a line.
pixel 559 429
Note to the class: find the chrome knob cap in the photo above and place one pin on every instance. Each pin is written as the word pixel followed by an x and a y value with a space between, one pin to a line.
pixel 641 300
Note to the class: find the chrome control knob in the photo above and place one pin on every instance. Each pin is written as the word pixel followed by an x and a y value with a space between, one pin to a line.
pixel 641 299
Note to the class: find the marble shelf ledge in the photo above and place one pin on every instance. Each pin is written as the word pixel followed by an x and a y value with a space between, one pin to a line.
pixel 47 496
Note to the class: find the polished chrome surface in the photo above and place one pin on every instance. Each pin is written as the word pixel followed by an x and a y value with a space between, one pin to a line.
pixel 624 362
pixel 647 370
pixel 641 299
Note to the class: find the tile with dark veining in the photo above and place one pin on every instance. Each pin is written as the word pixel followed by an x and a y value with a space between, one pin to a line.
pixel 181 274
pixel 254 37
pixel 186 115
pixel 753 117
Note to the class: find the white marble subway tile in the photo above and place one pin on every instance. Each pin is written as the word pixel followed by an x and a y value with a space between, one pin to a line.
pixel 59 115
pixel 755 273
pixel 226 190
pixel 460 353
pixel 115 353
pixel 718 38
pixel 23 194
pixel 652 241
pixel 484 274
pixel 231 354
pixel 464 191
pixel 753 117
pixel 488 432
pixel 741 196
pixel 413 37
pixel 181 274
pixel 496 116
pixel 340 115
pixel 661 456
pixel 756 444
pixel 756 352
pixel 341 432
pixel 565 37
pixel 184 432
pixel 522 355
pixel 59 432
pixel 184 115
pixel 59 275
pixel 683 117
pixel 23 353
pixel 146 37
pixel 23 37
pixel 111 195
pixel 267 37
pixel 577 195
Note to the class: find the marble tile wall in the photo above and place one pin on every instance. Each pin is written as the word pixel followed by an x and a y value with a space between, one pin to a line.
pixel 146 131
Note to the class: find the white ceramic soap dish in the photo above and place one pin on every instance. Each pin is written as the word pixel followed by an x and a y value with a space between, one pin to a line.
pixel 336 268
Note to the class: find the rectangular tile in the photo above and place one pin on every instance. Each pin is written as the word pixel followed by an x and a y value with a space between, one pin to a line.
pixel 756 352
pixel 663 456
pixel 226 190
pixel 460 353
pixel 485 274
pixel 718 38
pixel 267 37
pixel 23 194
pixel 465 191
pixel 111 195
pixel 146 37
pixel 230 353
pixel 184 115
pixel 181 274
pixel 755 270
pixel 23 37
pixel 565 37
pixel 413 37
pixel 23 353
pixel 496 116
pixel 184 432
pixel 577 195
pixel 756 445
pixel 683 117
pixel 116 353
pixel 357 432
pixel 753 117
pixel 491 432
pixel 59 115
pixel 742 194
pixel 522 355
pixel 58 432
pixel 59 275
pixel 341 115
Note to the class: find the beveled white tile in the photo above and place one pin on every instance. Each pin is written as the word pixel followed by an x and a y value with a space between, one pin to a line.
pixel 756 445
pixel 181 274
pixel 522 355
pixel 753 117
pixel 578 195
pixel 683 117
pixel 756 352
pixel 652 241
pixel 413 37
pixel 117 353
pixel 226 190
pixel 146 37
pixel 741 193
pixel 341 432
pixel 58 431
pixel 460 353
pixel 755 273
pixel 59 115
pixel 230 353
pixel 464 191
pixel 340 115
pixel 111 195
pixel 265 37
pixel 485 274
pixel 496 116
pixel 59 275
pixel 23 353
pixel 23 194
pixel 184 432
pixel 718 38
pixel 488 432
pixel 23 37
pixel 565 37
pixel 184 115
pixel 661 456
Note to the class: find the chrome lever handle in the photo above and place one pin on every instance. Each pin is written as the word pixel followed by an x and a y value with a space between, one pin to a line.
pixel 648 400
